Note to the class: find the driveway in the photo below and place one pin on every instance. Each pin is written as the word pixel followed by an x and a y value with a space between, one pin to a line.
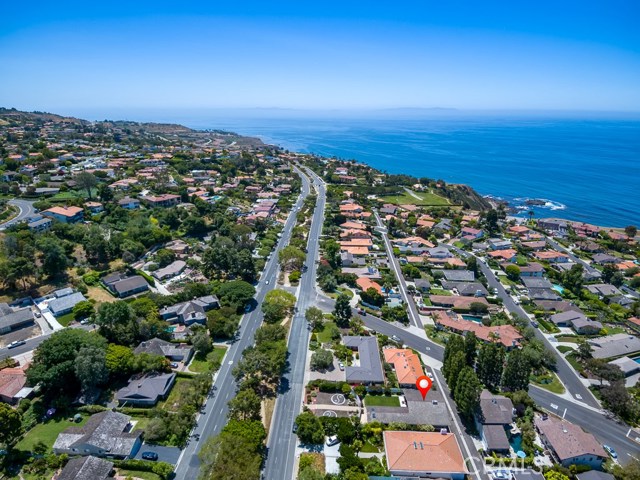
pixel 165 454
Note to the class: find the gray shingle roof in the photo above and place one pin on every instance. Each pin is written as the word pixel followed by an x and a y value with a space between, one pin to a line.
pixel 157 346
pixel 370 369
pixel 459 275
pixel 495 409
pixel 496 437
pixel 86 468
pixel 67 302
pixel 149 388
pixel 129 284
pixel 10 318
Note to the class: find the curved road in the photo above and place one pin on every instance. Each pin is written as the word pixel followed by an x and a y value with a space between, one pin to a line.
pixel 25 208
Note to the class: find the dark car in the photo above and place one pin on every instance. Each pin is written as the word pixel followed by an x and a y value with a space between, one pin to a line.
pixel 153 456
pixel 295 427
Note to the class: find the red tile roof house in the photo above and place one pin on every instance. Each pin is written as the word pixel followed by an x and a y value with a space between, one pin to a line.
pixel 165 200
pixel 570 444
pixel 507 335
pixel 366 283
pixel 424 455
pixel 65 214
pixel 12 385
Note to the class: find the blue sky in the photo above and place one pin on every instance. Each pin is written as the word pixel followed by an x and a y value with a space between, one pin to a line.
pixel 560 55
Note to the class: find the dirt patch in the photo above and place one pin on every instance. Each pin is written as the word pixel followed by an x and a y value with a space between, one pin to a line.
pixel 266 411
pixel 100 295
pixel 315 459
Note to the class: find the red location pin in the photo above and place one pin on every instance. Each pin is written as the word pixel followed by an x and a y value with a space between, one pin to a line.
pixel 424 385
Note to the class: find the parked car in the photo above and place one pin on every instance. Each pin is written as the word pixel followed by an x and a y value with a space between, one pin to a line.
pixel 612 453
pixel 395 338
pixel 295 427
pixel 15 344
pixel 174 364
pixel 153 456
pixel 341 365
pixel 332 440
pixel 534 324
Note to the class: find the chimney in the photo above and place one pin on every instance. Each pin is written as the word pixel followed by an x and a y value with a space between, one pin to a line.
pixel 421 446
pixel 415 445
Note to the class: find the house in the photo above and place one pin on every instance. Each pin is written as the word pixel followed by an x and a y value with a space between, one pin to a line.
pixel 535 245
pixel 389 208
pixel 12 385
pixel 507 254
pixel 492 421
pixel 627 365
pixel 558 227
pixel 459 275
pixel 422 285
pixel 603 258
pixel 614 345
pixel 467 289
pixel 595 475
pixel 406 365
pixel 424 455
pixel 369 371
pixel 366 283
pixel 455 301
pixel 14 318
pixel 471 233
pixel 603 290
pixel 536 282
pixel 86 468
pixel 190 312
pixel 129 203
pixel 123 286
pixel 176 352
pixel 439 252
pixel 94 207
pixel 146 391
pixel 163 201
pixel 171 270
pixel 586 326
pixel 569 443
pixel 499 244
pixel 65 214
pixel 534 270
pixel 551 256
pixel 64 301
pixel 106 434
pixel 507 335
pixel 38 223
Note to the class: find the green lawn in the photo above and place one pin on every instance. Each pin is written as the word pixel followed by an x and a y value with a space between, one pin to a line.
pixel 138 474
pixel 440 291
pixel 567 339
pixel 174 396
pixel 426 199
pixel 370 448
pixel 211 363
pixel 571 358
pixel 141 422
pixel 548 326
pixel 46 432
pixel 381 401
pixel 323 336
pixel 65 320
pixel 548 382
pixel 438 336
pixel 565 349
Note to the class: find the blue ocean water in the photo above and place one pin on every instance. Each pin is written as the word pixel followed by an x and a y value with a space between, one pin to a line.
pixel 586 169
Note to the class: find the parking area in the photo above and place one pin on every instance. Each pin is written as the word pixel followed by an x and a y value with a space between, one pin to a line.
pixel 333 374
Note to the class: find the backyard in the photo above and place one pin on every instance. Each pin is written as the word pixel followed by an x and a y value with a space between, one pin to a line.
pixel 424 199
pixel 47 433
pixel 381 401
pixel 211 363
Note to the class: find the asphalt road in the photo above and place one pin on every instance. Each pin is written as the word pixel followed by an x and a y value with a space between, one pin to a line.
pixel 414 317
pixel 606 431
pixel 26 210
pixel 282 442
pixel 566 373
pixel 214 418
pixel 33 343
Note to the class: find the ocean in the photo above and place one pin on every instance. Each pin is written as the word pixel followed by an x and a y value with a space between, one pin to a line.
pixel 584 169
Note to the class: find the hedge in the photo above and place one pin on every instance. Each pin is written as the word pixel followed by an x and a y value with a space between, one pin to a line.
pixel 147 277
pixel 163 469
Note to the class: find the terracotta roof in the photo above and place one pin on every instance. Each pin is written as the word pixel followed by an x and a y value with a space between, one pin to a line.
pixel 505 334
pixel 406 364
pixel 423 452
pixel 509 253
pixel 11 381
pixel 366 283
pixel 64 211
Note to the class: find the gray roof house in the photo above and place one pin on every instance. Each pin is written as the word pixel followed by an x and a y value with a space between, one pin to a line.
pixel 467 289
pixel 565 319
pixel 106 434
pixel 602 258
pixel 595 475
pixel 614 345
pixel 170 270
pixel 422 284
pixel 190 312
pixel 146 391
pixel 496 412
pixel 86 468
pixel 627 365
pixel 124 286
pixel 369 371
pixel 536 282
pixel 65 301
pixel 603 290
pixel 459 275
pixel 178 352
pixel 12 319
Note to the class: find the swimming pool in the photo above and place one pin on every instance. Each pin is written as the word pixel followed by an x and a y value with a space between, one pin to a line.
pixel 472 318
pixel 558 288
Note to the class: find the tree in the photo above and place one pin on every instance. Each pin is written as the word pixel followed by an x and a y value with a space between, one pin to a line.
pixel 87 181
pixel 222 322
pixel 291 258
pixel 201 342
pixel 91 368
pixel 245 406
pixel 516 372
pixel 164 257
pixel 117 323
pixel 631 231
pixel 467 392
pixel 513 272
pixel 573 279
pixel 490 364
pixel 555 475
pixel 54 258
pixel 603 370
pixel 608 271
pixel 478 308
pixel 456 363
pixel 236 293
pixel 310 429
pixel 371 296
pixel 470 348
pixel 11 421
pixel 119 360
pixel 54 363
pixel 584 350
pixel 82 310
pixel 342 310
pixel 321 360
pixel 492 220
pixel 315 317
pixel 229 457
pixel 277 305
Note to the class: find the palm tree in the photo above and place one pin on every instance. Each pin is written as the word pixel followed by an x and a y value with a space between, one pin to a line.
pixel 531 214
